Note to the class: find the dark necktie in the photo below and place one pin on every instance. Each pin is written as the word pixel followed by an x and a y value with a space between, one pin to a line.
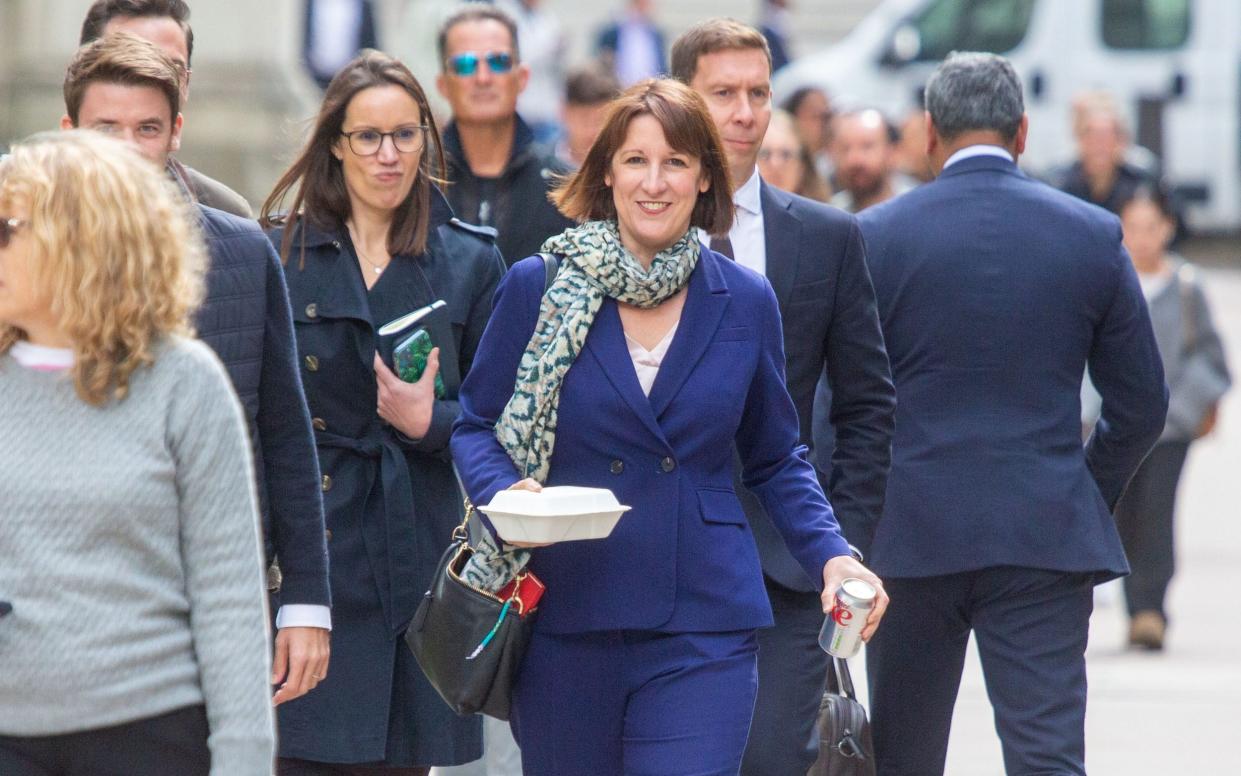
pixel 722 245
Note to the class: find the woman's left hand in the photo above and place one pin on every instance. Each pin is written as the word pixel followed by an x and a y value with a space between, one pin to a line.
pixel 843 567
pixel 407 406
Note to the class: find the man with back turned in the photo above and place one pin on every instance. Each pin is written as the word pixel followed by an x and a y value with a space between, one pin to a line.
pixel 995 293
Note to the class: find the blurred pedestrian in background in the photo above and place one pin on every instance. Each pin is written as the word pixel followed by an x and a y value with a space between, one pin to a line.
pixel 498 176
pixel 543 46
pixel 126 87
pixel 335 31
pixel 130 531
pixel 367 238
pixel 911 159
pixel 812 114
pixel 813 257
pixel 588 90
pixel 1193 361
pixel 633 46
pixel 775 22
pixel 166 23
pixel 784 162
pixel 645 361
pixel 1102 173
pixel 863 152
pixel 995 293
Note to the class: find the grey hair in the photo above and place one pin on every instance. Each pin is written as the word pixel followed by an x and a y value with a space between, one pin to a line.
pixel 975 91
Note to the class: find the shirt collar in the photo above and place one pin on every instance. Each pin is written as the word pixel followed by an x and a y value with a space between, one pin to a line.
pixel 977 150
pixel 747 197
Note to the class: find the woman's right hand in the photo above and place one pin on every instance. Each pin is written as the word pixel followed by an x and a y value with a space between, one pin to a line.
pixel 533 486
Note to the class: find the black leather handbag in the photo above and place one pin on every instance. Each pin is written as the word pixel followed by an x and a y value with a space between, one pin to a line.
pixel 469 642
pixel 845 746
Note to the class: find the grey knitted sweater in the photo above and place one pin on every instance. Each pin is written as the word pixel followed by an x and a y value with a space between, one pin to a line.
pixel 129 548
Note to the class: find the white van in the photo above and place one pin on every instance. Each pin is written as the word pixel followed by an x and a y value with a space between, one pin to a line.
pixel 1174 65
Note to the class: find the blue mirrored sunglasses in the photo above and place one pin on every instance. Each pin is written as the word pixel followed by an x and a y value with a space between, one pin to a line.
pixel 466 63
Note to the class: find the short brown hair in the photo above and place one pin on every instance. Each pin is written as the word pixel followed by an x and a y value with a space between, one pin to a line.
pixel 476 12
pixel 124 59
pixel 687 125
pixel 316 181
pixel 590 86
pixel 710 36
pixel 103 11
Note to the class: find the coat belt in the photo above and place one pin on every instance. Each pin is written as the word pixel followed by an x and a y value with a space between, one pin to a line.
pixel 390 542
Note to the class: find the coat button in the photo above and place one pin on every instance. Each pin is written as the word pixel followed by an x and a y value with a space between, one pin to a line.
pixel 617 467
pixel 312 310
pixel 326 485
pixel 336 244
pixel 667 464
pixel 319 423
pixel 312 363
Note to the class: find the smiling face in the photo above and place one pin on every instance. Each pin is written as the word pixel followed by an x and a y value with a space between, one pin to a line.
pixel 381 181
pixel 138 115
pixel 736 84
pixel 654 188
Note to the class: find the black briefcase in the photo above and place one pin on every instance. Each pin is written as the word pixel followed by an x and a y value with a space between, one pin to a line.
pixel 845 746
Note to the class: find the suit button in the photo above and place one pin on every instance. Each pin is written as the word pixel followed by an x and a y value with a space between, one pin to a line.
pixel 319 423
pixel 667 464
pixel 617 467
pixel 312 310
pixel 326 485
pixel 312 363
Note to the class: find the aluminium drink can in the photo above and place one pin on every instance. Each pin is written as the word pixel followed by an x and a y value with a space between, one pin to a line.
pixel 841 635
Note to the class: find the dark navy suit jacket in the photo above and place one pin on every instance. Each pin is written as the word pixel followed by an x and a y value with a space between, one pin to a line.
pixel 683 559
pixel 995 292
pixel 816 263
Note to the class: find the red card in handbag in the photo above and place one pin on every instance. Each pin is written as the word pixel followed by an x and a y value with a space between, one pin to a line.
pixel 527 589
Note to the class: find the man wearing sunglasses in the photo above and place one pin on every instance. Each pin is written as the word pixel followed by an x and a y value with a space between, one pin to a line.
pixel 500 177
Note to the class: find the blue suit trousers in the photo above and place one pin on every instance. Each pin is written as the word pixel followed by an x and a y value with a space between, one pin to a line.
pixel 635 703
pixel 1031 626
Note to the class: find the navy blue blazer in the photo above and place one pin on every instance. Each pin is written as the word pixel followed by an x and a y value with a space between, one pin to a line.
pixel 995 292
pixel 816 264
pixel 683 559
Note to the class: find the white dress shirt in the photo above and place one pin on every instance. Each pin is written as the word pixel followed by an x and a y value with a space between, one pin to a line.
pixel 45 359
pixel 647 362
pixel 981 149
pixel 746 235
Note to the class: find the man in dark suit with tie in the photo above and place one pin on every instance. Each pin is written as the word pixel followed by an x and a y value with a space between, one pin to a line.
pixel 995 293
pixel 814 258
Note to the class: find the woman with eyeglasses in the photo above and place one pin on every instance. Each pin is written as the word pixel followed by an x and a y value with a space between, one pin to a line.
pixel 367 239
pixel 133 637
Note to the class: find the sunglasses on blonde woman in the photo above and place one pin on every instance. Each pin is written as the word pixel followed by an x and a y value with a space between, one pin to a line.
pixel 8 228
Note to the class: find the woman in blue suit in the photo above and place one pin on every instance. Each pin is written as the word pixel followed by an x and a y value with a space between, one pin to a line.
pixel 642 367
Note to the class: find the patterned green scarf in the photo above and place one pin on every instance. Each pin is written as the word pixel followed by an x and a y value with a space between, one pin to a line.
pixel 594 266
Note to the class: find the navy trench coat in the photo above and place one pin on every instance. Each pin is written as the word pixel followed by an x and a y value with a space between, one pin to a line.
pixel 391 502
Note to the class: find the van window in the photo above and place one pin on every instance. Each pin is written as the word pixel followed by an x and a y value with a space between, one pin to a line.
pixel 945 26
pixel 1145 24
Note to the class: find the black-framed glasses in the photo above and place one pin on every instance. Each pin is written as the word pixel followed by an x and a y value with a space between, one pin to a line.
pixel 466 63
pixel 8 228
pixel 367 142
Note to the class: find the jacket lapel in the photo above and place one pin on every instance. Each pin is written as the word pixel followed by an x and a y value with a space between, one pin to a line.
pixel 606 343
pixel 705 303
pixel 782 237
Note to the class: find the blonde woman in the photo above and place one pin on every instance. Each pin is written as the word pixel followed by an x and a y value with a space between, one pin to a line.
pixel 136 640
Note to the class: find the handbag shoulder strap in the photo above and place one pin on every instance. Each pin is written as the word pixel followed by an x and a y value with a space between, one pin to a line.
pixel 839 680
pixel 551 265
pixel 1186 281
